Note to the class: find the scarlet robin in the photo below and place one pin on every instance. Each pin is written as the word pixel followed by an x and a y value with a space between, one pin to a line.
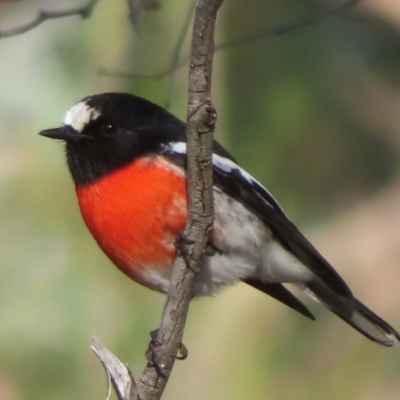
pixel 127 158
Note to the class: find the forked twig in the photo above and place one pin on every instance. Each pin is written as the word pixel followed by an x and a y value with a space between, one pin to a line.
pixel 44 15
pixel 278 30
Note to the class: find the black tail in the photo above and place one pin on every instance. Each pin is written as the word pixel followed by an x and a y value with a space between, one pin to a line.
pixel 280 293
pixel 354 313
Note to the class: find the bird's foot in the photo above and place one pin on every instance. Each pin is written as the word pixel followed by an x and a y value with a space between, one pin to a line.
pixel 153 357
pixel 181 244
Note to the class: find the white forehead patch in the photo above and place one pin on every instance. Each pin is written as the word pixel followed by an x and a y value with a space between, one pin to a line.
pixel 80 115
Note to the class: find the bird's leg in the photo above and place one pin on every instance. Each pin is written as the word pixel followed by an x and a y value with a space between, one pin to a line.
pixel 212 249
pixel 152 356
pixel 181 244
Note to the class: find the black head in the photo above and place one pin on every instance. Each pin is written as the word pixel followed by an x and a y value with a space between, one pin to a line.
pixel 106 131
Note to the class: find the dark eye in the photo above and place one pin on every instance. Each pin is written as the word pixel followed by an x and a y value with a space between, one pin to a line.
pixel 108 129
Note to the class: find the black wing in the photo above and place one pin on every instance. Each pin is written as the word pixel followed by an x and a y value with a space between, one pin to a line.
pixel 327 285
pixel 240 185
pixel 234 181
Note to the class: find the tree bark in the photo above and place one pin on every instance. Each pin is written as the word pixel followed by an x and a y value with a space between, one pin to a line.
pixel 201 118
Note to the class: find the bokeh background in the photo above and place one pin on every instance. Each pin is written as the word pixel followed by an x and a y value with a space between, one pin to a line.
pixel 313 114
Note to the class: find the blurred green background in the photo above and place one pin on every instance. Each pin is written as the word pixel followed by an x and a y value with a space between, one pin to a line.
pixel 313 114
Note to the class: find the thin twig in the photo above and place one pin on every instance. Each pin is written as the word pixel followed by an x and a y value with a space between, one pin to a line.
pixel 277 30
pixel 118 374
pixel 282 29
pixel 44 15
pixel 136 8
pixel 177 49
pixel 135 12
pixel 175 64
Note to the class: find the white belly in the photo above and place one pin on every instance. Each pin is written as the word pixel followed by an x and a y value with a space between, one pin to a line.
pixel 247 250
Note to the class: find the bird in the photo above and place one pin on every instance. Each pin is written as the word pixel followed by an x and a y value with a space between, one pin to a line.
pixel 127 158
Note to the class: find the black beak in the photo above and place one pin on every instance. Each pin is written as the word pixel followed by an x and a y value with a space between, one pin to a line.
pixel 64 133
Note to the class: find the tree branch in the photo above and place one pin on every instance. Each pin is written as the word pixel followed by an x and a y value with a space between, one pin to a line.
pixel 42 16
pixel 298 23
pixel 136 8
pixel 277 30
pixel 201 118
pixel 118 374
pixel 178 47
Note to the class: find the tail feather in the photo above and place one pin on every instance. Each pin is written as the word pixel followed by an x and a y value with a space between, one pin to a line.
pixel 280 293
pixel 354 313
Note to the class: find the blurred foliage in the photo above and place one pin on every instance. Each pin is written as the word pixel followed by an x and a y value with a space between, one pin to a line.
pixel 292 111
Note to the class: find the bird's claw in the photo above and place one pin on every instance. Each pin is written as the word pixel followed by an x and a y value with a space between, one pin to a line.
pixel 181 244
pixel 183 352
pixel 153 357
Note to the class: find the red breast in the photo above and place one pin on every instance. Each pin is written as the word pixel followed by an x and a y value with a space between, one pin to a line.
pixel 135 213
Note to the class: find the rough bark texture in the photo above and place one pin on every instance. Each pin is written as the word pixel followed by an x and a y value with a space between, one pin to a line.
pixel 201 120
